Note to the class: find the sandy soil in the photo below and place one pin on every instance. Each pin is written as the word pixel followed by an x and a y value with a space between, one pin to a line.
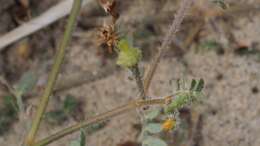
pixel 230 115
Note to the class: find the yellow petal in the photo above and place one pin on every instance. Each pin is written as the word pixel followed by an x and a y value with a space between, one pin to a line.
pixel 168 124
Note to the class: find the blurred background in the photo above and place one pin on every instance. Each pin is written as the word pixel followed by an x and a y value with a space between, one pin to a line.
pixel 218 41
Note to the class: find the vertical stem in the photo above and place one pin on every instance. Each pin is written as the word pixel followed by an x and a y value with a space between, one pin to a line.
pixel 136 72
pixel 54 72
pixel 170 35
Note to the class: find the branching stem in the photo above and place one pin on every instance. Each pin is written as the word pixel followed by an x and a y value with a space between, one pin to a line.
pixel 109 114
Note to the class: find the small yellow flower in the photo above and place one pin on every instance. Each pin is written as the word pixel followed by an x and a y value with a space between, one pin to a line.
pixel 168 124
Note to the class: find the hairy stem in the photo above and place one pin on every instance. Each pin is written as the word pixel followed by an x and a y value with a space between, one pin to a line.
pixel 171 34
pixel 138 78
pixel 109 114
pixel 54 72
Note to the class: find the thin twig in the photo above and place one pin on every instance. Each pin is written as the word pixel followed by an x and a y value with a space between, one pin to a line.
pixel 55 70
pixel 173 29
pixel 114 112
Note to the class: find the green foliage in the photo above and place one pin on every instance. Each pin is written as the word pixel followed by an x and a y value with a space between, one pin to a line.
pixel 157 122
pixel 70 104
pixel 8 114
pixel 152 141
pixel 95 127
pixel 209 45
pixel 81 141
pixel 151 126
pixel 128 55
pixel 193 84
pixel 185 97
pixel 197 85
pixel 59 115
pixel 26 84
pixel 89 130
pixel 221 3
pixel 9 101
pixel 56 116
pixel 247 51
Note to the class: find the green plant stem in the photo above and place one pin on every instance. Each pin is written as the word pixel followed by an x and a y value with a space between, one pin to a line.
pixel 114 112
pixel 136 72
pixel 54 72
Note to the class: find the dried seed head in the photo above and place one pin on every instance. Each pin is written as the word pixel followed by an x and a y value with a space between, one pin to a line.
pixel 107 36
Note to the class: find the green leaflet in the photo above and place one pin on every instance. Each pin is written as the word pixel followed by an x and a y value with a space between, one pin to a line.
pixel 221 3
pixel 70 104
pixel 180 100
pixel 56 116
pixel 185 97
pixel 199 85
pixel 95 127
pixel 81 141
pixel 26 84
pixel 8 114
pixel 62 113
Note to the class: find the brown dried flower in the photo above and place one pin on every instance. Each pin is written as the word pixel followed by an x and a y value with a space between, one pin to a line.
pixel 107 36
